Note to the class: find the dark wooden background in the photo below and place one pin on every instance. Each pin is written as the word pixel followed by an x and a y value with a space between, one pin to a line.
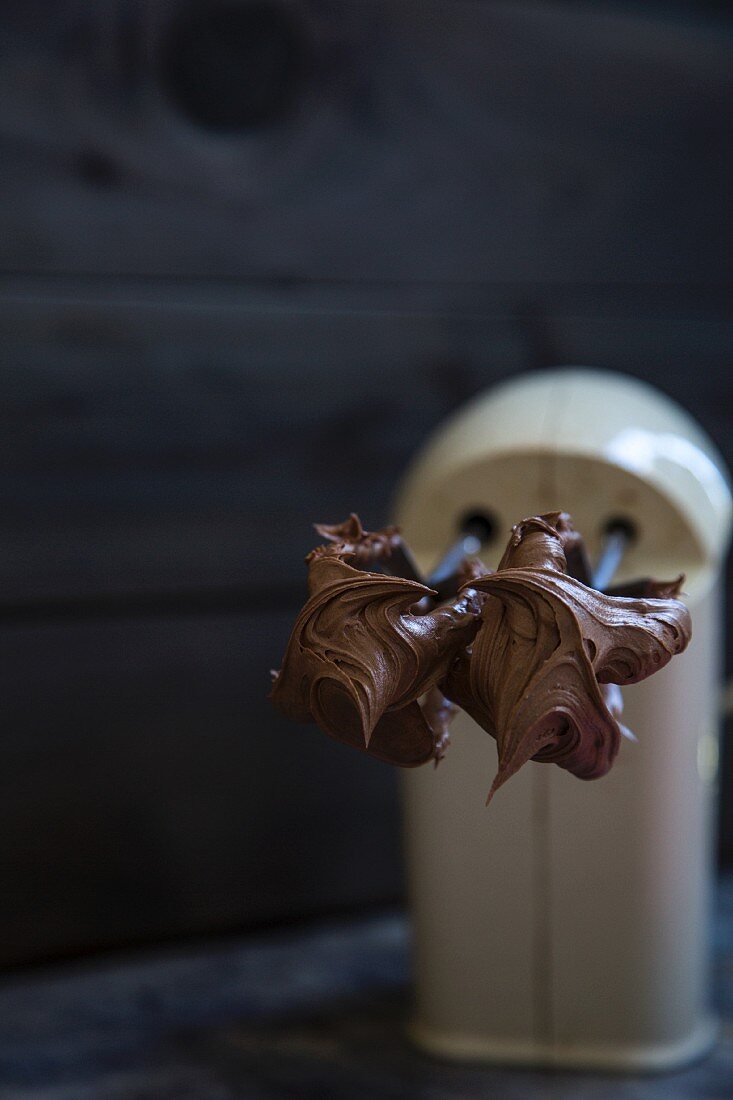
pixel 251 253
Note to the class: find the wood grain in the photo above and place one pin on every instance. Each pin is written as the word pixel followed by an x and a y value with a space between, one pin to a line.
pixel 150 445
pixel 450 140
pixel 149 788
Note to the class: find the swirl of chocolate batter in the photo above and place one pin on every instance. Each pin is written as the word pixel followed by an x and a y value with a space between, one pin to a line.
pixel 360 655
pixel 533 676
pixel 531 652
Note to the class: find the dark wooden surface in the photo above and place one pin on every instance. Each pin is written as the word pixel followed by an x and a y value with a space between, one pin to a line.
pixel 445 140
pixel 210 338
pixel 316 1012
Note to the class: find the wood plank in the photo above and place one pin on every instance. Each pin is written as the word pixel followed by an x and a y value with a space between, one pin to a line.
pixel 160 448
pixel 156 443
pixel 443 139
pixel 150 789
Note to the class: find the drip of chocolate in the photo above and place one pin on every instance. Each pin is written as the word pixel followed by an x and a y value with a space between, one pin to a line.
pixel 439 712
pixel 531 651
pixel 533 676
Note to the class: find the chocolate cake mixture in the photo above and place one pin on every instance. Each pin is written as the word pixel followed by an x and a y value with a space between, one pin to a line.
pixel 531 651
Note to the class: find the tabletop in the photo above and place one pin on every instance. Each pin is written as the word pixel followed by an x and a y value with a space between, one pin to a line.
pixel 314 1010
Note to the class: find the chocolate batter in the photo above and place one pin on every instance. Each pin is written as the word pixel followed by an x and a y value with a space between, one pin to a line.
pixel 530 651
pixel 361 655
pixel 547 643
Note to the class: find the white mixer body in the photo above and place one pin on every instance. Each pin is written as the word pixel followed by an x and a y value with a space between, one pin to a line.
pixel 568 923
